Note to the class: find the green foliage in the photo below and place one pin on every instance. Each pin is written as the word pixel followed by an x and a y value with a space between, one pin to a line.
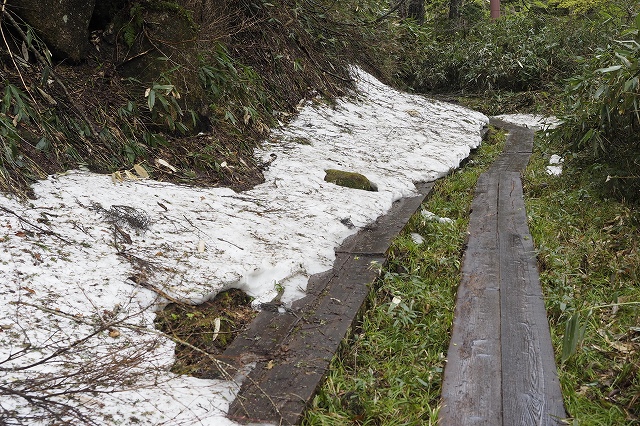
pixel 133 27
pixel 573 335
pixel 519 52
pixel 603 119
pixel 589 259
pixel 234 90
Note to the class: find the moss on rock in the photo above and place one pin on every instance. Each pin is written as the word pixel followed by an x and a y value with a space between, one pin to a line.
pixel 349 180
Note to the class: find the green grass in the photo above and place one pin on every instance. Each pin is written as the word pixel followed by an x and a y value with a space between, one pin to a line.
pixel 390 370
pixel 589 264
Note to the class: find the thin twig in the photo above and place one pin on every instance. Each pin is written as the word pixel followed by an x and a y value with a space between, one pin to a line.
pixel 44 231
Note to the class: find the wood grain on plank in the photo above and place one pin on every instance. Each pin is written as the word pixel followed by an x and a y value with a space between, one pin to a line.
pixel 500 365
pixel 472 378
pixel 528 366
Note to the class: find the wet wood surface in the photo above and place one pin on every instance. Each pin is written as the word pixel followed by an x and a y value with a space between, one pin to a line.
pixel 293 350
pixel 500 363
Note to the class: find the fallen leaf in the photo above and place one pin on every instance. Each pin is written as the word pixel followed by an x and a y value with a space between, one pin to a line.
pixel 625 348
pixel 269 365
pixel 130 175
pixel 201 246
pixel 216 328
pixel 117 177
pixel 141 171
pixel 161 162
pixel 114 333
pixel 21 234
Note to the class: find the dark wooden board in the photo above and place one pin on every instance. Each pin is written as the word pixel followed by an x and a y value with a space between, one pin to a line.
pixel 471 391
pixel 500 364
pixel 293 350
pixel 279 389
pixel 528 364
pixel 376 238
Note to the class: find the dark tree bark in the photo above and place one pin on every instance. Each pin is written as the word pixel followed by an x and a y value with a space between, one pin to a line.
pixel 416 11
pixel 411 9
pixel 495 9
pixel 454 9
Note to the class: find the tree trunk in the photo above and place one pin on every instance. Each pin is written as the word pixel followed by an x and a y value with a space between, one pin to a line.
pixel 416 11
pixel 495 9
pixel 411 9
pixel 454 9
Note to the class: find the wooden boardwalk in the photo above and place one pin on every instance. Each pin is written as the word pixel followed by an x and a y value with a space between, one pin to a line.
pixel 293 350
pixel 500 364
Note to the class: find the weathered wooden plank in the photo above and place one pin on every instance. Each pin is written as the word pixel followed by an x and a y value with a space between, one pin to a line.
pixel 515 162
pixel 269 329
pixel 500 365
pixel 472 378
pixel 279 389
pixel 293 360
pixel 530 383
pixel 377 237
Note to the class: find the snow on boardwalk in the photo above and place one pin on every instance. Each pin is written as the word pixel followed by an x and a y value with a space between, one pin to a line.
pixel 76 333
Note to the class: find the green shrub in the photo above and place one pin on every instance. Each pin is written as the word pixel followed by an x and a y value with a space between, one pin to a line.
pixel 519 52
pixel 603 119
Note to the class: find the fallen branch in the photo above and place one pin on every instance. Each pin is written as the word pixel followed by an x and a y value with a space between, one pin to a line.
pixel 44 231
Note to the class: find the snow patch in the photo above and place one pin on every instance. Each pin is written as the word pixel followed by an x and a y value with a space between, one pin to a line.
pixel 72 277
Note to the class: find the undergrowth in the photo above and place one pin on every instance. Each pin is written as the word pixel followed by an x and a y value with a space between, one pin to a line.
pixel 389 371
pixel 589 260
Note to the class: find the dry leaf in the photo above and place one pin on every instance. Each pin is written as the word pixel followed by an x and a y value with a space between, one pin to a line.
pixel 117 177
pixel 201 246
pixel 161 162
pixel 47 96
pixel 141 171
pixel 269 365
pixel 216 328
pixel 625 348
pixel 130 175
pixel 114 333
pixel 25 50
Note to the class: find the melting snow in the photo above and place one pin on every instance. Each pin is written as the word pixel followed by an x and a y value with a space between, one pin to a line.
pixel 532 121
pixel 75 276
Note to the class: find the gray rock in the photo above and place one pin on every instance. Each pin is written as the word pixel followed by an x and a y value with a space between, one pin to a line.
pixel 62 24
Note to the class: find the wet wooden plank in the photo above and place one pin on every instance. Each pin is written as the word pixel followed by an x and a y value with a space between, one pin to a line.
pixel 293 360
pixel 279 389
pixel 472 378
pixel 528 365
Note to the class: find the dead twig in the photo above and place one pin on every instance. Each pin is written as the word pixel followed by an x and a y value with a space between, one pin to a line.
pixel 44 231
